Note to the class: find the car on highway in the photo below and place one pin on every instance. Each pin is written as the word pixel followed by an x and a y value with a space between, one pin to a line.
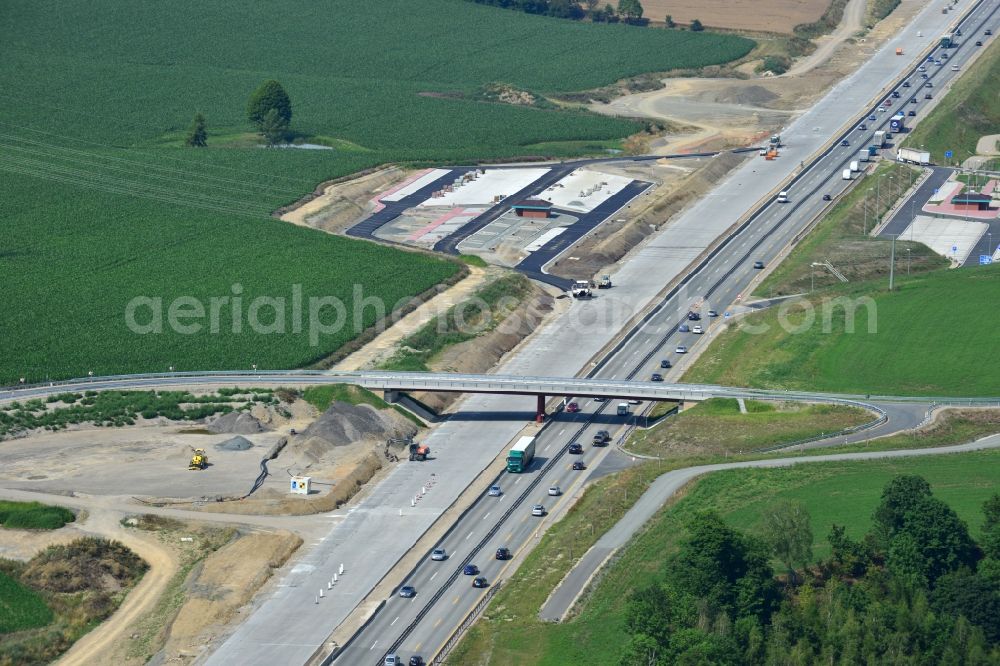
pixel 758 265
pixel 555 491
pixel 922 68
pixel 537 510
pixel 862 127
pixel 698 330
pixel 913 100
pixel 681 349
pixel 924 76
pixel 845 142
pixel 573 407
pixel 713 313
pixel 416 660
pixel 503 553
pixel 954 68
pixel 657 377
pixel 881 109
pixel 480 581
pixel 978 43
pixel 600 399
pixel 633 401
pixel 575 448
pixel 694 316
pixel 912 113
pixel 906 84
pixel 928 96
pixel 684 328
pixel 495 491
pixel 895 94
pixel 928 85
pixel 439 554
pixel 407 591
pixel 392 659
pixel 665 363
pixel 988 32
pixel 938 63
pixel 578 465
pixel 826 197
pixel 887 102
pixel 944 56
pixel 470 570
pixel 601 437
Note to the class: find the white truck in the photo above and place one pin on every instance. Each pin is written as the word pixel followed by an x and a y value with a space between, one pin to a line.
pixel 880 138
pixel 855 166
pixel 846 175
pixel 581 289
pixel 863 155
pixel 911 156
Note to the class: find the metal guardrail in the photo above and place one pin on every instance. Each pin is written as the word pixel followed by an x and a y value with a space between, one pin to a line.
pixel 470 619
pixel 882 418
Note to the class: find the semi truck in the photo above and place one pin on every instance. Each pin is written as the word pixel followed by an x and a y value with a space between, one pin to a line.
pixel 947 41
pixel 911 156
pixel 520 455
pixel 896 123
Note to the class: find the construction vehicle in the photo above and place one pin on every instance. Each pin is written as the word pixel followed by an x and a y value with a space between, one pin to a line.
pixel 199 459
pixel 776 141
pixel 419 451
pixel 581 289
pixel 605 282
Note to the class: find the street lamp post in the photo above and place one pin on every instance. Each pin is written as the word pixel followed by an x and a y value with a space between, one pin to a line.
pixel 867 192
pixel 907 262
pixel 892 263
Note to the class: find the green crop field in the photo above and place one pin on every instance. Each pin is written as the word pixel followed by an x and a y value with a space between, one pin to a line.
pixel 20 607
pixel 935 335
pixel 100 203
pixel 843 493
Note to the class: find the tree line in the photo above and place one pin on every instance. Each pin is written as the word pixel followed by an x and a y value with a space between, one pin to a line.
pixel 628 11
pixel 916 589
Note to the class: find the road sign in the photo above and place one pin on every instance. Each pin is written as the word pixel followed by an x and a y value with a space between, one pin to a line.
pixel 948 154
pixel 954 249
pixel 985 259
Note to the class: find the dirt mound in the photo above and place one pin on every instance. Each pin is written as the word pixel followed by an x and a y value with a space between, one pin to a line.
pixel 237 443
pixel 341 426
pixel 240 423
pixel 746 95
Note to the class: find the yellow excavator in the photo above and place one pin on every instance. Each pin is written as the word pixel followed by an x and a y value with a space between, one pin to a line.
pixel 199 459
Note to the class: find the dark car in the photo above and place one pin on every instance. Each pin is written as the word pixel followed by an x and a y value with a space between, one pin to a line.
pixel 665 363
pixel 573 407
pixel 470 570
pixel 480 581
pixel 713 313
pixel 928 96
pixel 694 316
pixel 684 328
pixel 416 660
pixel 913 100
pixel 758 264
pixel 895 94
pixel 601 437
pixel 407 591
pixel 578 465
pixel 872 117
pixel 656 377
pixel 988 32
pixel 845 142
pixel 575 448
pixel 928 85
pixel 906 84
pixel 978 43
pixel 600 399
pixel 503 553
pixel 826 197
pixel 912 113
pixel 862 127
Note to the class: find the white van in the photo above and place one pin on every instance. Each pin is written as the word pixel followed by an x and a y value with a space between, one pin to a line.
pixel 622 409
pixel 782 197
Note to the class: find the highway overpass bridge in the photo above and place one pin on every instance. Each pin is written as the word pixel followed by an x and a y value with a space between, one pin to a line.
pixel 392 383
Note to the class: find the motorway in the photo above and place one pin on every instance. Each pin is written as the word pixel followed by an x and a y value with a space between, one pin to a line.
pixel 444 596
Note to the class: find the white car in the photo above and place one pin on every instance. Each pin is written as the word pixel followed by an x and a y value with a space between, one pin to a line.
pixel 439 554
pixel 495 491
pixel 538 510
pixel 555 491
pixel 954 68
pixel 697 329
pixel 681 349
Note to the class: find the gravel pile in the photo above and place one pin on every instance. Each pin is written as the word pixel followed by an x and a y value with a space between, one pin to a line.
pixel 240 423
pixel 235 444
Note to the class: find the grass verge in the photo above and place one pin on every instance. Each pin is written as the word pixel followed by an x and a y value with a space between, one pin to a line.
pixel 34 516
pixel 717 427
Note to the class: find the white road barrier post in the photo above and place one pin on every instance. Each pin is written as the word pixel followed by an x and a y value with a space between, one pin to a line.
pixel 334 578
pixel 341 571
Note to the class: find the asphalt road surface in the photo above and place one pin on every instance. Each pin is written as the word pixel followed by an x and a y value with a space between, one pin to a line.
pixel 445 597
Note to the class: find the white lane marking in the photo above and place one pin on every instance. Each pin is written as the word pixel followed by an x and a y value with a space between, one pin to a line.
pixel 517 480
pixel 394 621
pixel 468 537
pixel 562 431
pixel 435 574
pixel 487 516
pixel 503 497
pixel 373 646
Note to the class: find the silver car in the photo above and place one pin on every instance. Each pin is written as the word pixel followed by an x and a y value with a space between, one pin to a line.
pixel 439 554
pixel 538 510
pixel 555 491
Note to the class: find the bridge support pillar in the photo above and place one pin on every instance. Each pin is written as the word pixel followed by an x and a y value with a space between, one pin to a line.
pixel 390 396
pixel 540 410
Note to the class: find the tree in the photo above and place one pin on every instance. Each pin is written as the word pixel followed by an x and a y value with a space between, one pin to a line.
pixel 696 26
pixel 269 96
pixel 609 13
pixel 991 527
pixel 274 128
pixel 197 136
pixel 900 496
pixel 965 593
pixel 630 9
pixel 787 528
pixel 670 21
pixel 591 5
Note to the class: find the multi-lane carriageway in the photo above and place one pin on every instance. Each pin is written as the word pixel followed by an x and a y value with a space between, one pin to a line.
pixel 422 625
